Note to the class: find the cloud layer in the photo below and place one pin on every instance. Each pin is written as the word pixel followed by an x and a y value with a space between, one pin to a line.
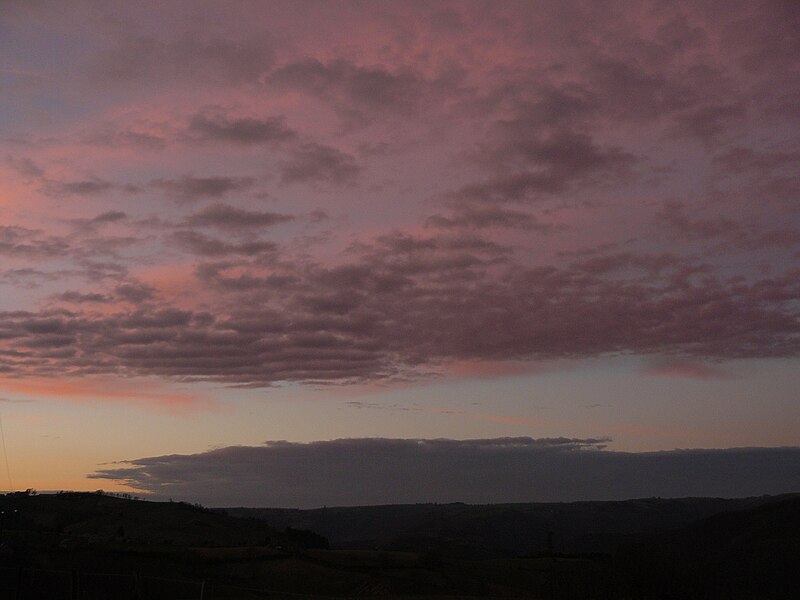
pixel 524 181
pixel 406 305
pixel 380 471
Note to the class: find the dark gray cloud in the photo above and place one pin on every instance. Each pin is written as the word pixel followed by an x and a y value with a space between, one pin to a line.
pixel 710 123
pixel 214 275
pixel 27 278
pixel 89 225
pixel 103 246
pixel 744 236
pixel 76 297
pixel 526 166
pixel 361 93
pixel 760 162
pixel 188 188
pixel 99 270
pixel 385 471
pixel 92 186
pixel 225 216
pixel 763 37
pixel 548 128
pixel 240 130
pixel 25 167
pixel 317 163
pixel 21 242
pixel 404 305
pixel 563 153
pixel 111 216
pixel 628 90
pixel 85 187
pixel 767 173
pixel 134 291
pixel 674 215
pixel 477 216
pixel 203 245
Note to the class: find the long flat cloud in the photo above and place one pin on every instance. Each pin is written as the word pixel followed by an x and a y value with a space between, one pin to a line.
pixel 384 471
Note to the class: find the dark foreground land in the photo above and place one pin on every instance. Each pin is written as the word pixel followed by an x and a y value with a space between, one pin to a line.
pixel 91 546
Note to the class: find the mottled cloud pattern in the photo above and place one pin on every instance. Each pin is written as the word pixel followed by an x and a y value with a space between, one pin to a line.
pixel 501 182
pixel 380 471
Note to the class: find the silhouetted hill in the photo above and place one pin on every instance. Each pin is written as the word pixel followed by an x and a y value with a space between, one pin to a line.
pixel 93 517
pixel 752 553
pixel 121 548
pixel 499 530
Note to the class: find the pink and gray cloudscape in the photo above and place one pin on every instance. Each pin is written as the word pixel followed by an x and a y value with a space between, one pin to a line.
pixel 475 220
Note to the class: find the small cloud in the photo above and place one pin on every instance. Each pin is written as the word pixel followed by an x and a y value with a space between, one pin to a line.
pixel 685 369
pixel 709 123
pixel 135 292
pixel 81 298
pixel 225 216
pixel 25 167
pixel 190 188
pixel 84 187
pixel 30 243
pixel 472 216
pixel 203 245
pixel 318 215
pixel 316 163
pixel 111 216
pixel 242 130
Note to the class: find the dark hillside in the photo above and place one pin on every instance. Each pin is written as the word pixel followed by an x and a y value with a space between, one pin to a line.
pixel 499 530
pixel 753 553
pixel 91 546
pixel 96 517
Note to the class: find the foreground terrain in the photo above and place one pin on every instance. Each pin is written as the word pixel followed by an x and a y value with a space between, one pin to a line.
pixel 92 545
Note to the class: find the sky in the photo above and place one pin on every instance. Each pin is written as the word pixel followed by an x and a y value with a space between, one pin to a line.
pixel 303 254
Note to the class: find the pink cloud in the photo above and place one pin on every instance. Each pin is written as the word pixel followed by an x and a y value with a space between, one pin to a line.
pixel 490 369
pixel 499 179
pixel 684 369
pixel 151 395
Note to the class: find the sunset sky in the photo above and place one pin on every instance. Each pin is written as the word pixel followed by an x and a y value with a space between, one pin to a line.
pixel 330 252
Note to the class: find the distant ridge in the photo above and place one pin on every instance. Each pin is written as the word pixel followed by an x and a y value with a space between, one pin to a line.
pixel 649 548
pixel 501 530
